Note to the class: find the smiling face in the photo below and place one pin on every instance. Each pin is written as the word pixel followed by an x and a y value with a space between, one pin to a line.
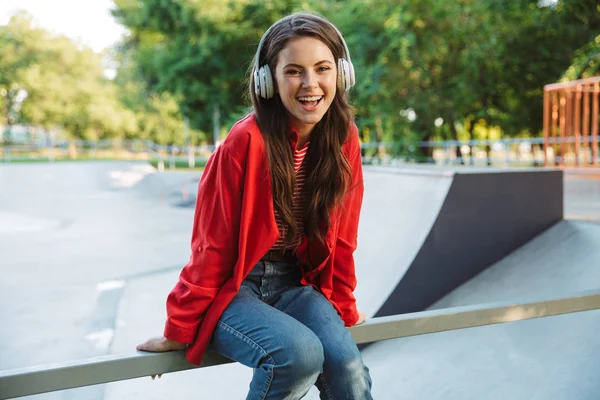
pixel 306 77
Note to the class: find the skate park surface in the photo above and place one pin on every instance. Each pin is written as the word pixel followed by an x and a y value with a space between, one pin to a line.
pixel 89 252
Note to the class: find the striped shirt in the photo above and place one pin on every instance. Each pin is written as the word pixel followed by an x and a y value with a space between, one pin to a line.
pixel 298 201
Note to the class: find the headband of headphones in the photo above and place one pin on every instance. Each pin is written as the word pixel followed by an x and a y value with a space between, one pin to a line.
pixel 285 19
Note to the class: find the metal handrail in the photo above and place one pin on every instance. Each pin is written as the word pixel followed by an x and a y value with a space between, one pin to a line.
pixel 162 153
pixel 111 368
pixel 209 148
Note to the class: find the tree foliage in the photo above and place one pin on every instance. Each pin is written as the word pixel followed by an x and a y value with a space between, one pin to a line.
pixel 48 81
pixel 199 51
pixel 425 69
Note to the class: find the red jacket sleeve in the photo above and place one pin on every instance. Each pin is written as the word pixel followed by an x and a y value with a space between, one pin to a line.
pixel 344 276
pixel 214 246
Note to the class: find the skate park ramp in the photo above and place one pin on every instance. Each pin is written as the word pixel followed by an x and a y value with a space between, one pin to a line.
pixel 424 232
pixel 547 358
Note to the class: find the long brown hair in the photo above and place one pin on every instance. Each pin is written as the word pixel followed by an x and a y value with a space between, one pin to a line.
pixel 328 171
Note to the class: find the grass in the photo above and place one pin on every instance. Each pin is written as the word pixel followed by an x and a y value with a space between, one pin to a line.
pixel 179 163
pixel 23 160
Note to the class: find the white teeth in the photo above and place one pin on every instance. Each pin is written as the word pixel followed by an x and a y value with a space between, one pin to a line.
pixel 312 98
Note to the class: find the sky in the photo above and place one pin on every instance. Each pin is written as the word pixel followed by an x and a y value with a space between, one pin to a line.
pixel 86 21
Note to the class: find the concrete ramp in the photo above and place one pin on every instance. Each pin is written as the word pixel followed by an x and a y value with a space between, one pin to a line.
pixel 547 358
pixel 399 211
pixel 425 232
pixel 564 259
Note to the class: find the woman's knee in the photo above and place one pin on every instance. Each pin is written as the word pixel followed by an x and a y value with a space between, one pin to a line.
pixel 345 377
pixel 347 362
pixel 303 353
pixel 354 367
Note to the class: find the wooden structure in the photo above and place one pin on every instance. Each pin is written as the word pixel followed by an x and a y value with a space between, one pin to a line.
pixel 571 123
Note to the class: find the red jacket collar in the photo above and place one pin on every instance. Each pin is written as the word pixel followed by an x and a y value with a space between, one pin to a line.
pixel 293 136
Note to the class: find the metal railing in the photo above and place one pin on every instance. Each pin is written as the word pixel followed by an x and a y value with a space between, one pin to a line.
pixel 502 152
pixel 111 368
pixel 507 152
pixel 103 149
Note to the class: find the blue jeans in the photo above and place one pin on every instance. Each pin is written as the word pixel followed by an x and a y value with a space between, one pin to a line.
pixel 293 338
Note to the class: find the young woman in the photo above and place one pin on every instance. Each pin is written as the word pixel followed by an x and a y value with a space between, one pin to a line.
pixel 271 278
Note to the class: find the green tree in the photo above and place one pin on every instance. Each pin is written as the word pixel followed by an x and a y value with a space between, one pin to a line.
pixel 156 115
pixel 47 81
pixel 465 63
pixel 21 46
pixel 199 51
pixel 586 62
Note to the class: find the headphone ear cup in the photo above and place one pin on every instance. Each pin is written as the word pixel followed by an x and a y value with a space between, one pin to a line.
pixel 341 75
pixel 263 88
pixel 257 83
pixel 345 75
pixel 270 89
pixel 351 76
pixel 263 82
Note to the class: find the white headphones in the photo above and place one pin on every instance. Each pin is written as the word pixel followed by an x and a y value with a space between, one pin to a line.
pixel 263 78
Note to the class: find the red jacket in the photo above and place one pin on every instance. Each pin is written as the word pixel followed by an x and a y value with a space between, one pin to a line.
pixel 234 226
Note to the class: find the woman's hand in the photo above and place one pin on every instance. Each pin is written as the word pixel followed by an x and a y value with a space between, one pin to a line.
pixel 158 345
pixel 361 318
